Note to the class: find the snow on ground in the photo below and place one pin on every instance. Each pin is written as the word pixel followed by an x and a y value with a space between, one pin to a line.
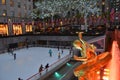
pixel 27 62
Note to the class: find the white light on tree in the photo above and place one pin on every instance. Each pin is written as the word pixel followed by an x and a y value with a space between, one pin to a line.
pixel 49 8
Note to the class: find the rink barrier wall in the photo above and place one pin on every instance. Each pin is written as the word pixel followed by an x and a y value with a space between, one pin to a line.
pixel 52 68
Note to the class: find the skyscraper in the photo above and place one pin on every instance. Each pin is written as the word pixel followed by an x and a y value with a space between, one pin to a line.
pixel 15 17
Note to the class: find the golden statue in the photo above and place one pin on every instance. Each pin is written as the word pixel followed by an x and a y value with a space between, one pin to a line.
pixel 87 50
pixel 91 61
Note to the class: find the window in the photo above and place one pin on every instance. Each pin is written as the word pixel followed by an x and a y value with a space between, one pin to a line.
pixel 11 3
pixel 28 28
pixel 117 0
pixel 17 29
pixel 3 30
pixel 19 5
pixel 29 7
pixel 19 14
pixel 12 13
pixel 25 7
pixel 3 1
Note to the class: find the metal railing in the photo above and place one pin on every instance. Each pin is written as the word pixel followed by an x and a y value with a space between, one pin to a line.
pixel 51 68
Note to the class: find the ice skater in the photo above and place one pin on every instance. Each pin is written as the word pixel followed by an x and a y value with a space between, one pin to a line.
pixel 20 78
pixel 41 69
pixel 50 53
pixel 11 51
pixel 58 48
pixel 62 51
pixel 26 42
pixel 14 56
pixel 46 67
pixel 59 55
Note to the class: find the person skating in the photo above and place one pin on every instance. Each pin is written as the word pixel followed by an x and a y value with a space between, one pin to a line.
pixel 20 78
pixel 50 53
pixel 41 69
pixel 14 56
pixel 58 48
pixel 62 51
pixel 46 67
pixel 59 55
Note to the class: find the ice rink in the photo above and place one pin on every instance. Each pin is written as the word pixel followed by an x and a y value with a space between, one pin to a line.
pixel 27 62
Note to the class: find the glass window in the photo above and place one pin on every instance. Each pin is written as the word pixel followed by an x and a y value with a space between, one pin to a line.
pixel 17 29
pixel 11 3
pixel 3 1
pixel 29 7
pixel 28 28
pixel 19 5
pixel 3 30
pixel 25 7
pixel 12 13
pixel 99 43
pixel 19 14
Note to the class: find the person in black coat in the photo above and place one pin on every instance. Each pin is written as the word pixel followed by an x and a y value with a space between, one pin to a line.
pixel 46 67
pixel 14 56
pixel 41 69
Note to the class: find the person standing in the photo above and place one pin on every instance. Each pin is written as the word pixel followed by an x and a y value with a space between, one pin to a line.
pixel 14 56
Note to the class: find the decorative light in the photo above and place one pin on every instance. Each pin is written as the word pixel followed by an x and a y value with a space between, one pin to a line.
pixel 105 78
pixel 98 72
pixel 57 75
pixel 103 3
pixel 107 8
pixel 61 23
pixel 4 14
pixel 68 64
pixel 9 19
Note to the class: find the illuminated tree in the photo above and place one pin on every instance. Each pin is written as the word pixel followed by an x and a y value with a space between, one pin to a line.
pixel 87 7
pixel 49 8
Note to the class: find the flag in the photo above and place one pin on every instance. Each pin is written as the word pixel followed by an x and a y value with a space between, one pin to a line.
pixel 104 20
pixel 98 20
pixel 112 15
pixel 119 16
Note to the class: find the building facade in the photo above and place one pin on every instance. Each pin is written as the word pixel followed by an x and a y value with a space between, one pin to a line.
pixel 115 13
pixel 15 17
